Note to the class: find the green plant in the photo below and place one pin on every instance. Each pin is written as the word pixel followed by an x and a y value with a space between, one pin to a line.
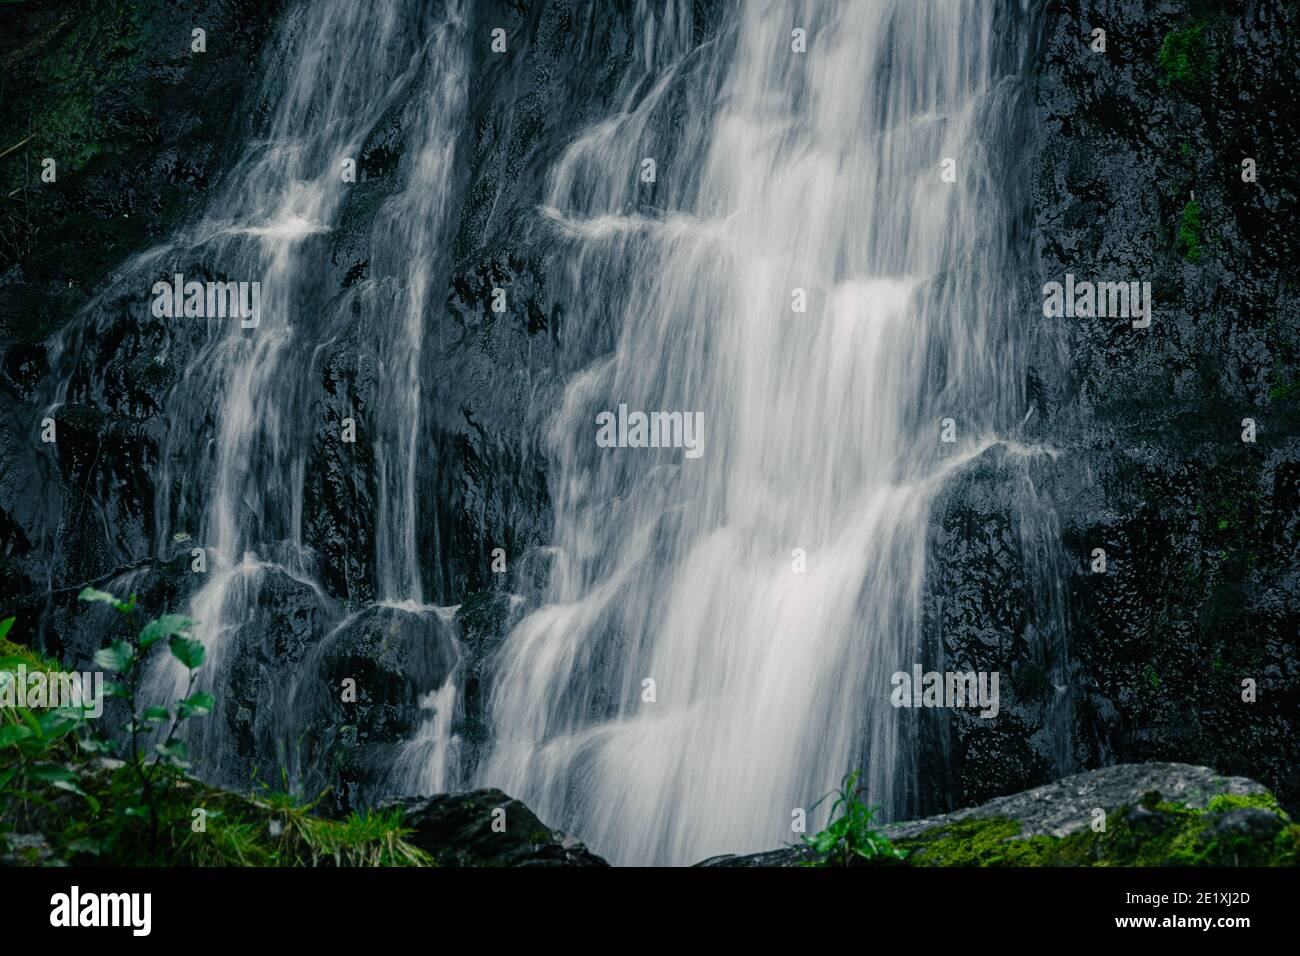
pixel 57 747
pixel 1187 243
pixel 123 802
pixel 1184 57
pixel 850 837
pixel 31 742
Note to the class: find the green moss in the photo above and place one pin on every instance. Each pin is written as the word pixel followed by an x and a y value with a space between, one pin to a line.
pixel 1185 58
pixel 1151 677
pixel 1224 802
pixel 1187 243
pixel 1284 386
pixel 96 50
pixel 991 842
pixel 1155 833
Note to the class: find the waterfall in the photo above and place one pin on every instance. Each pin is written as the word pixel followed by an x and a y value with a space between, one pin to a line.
pixel 715 646
pixel 239 429
pixel 795 244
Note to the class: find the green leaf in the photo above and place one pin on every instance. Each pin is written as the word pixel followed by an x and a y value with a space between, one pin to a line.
pixel 157 714
pixel 4 627
pixel 87 844
pixel 187 650
pixel 116 657
pixel 56 723
pixel 71 786
pixel 174 752
pixel 13 733
pixel 103 597
pixel 168 625
pixel 196 706
pixel 52 772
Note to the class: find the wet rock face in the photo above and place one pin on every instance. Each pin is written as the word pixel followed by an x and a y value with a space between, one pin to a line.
pixel 355 697
pixel 1140 178
pixel 394 656
pixel 339 485
pixel 1198 525
pixel 289 615
pixel 158 128
pixel 83 511
pixel 139 126
pixel 989 607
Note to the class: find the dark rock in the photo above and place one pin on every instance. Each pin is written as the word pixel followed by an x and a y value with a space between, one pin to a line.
pixel 395 656
pixel 139 127
pixel 456 829
pixel 1195 596
pixel 792 856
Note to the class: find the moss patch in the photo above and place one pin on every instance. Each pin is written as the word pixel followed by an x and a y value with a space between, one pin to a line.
pixel 1185 57
pixel 1187 242
pixel 1230 831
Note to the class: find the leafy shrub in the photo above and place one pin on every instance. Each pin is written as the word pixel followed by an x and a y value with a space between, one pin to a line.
pixel 128 803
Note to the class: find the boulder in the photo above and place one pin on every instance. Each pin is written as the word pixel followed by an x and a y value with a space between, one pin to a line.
pixel 487 828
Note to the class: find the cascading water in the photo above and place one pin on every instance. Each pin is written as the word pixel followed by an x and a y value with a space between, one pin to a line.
pixel 346 65
pixel 770 587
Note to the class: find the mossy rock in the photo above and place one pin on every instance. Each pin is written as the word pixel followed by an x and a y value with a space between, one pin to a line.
pixel 1235 831
pixel 1158 814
